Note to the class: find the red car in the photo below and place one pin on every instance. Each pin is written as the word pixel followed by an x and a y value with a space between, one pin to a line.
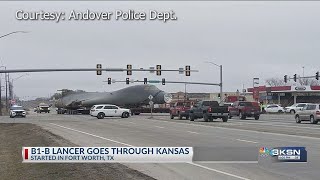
pixel 245 109
pixel 180 109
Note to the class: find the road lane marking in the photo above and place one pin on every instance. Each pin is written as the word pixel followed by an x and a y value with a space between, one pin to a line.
pixel 227 162
pixel 191 163
pixel 82 132
pixel 245 130
pixel 132 123
pixel 247 141
pixel 218 171
pixel 159 127
pixel 192 132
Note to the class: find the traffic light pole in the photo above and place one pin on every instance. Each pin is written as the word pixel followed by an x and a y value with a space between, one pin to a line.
pixel 85 69
pixel 173 82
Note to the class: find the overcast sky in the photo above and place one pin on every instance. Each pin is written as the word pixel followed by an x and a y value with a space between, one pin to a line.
pixel 250 39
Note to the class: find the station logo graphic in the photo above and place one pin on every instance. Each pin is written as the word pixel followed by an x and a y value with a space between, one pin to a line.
pixel 284 154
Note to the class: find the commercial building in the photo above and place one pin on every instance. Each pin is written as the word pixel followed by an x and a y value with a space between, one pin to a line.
pixel 286 95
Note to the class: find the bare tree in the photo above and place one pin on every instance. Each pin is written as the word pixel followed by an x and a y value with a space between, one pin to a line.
pixel 308 82
pixel 275 82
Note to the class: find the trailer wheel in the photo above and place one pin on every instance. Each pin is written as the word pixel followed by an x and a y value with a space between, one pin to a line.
pixel 100 115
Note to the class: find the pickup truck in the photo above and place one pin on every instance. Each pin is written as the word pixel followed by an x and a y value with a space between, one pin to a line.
pixel 180 109
pixel 245 109
pixel 209 110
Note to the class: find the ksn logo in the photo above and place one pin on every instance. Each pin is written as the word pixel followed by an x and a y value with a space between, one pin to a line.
pixel 301 88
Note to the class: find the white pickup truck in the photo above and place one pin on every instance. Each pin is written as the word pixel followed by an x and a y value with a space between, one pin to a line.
pixel 108 110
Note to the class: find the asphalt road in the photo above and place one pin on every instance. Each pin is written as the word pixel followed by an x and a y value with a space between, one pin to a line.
pixel 236 142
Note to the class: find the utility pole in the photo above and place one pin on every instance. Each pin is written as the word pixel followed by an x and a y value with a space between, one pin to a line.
pixel 221 94
pixel 185 92
pixel 0 96
pixel 6 76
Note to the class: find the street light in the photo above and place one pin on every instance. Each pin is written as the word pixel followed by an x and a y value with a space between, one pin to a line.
pixel 220 66
pixel 13 33
pixel 14 79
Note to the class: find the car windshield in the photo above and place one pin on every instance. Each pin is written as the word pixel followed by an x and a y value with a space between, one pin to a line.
pixel 187 104
pixel 245 104
pixel 16 108
pixel 210 103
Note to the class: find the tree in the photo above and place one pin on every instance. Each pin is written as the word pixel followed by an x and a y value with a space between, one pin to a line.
pixel 275 82
pixel 308 82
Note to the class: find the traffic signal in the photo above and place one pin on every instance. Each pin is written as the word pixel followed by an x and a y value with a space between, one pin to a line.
pixel 145 81
pixel 317 75
pixel 158 70
pixel 127 80
pixel 187 70
pixel 99 69
pixel 129 69
pixel 219 95
pixel 295 77
pixel 163 81
pixel 285 78
pixel 109 80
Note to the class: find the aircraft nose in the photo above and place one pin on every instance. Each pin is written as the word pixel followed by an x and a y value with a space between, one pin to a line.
pixel 163 97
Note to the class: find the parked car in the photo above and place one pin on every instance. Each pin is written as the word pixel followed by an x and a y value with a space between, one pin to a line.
pixel 245 109
pixel 294 108
pixel 108 110
pixel 274 108
pixel 209 110
pixel 17 111
pixel 310 112
pixel 180 109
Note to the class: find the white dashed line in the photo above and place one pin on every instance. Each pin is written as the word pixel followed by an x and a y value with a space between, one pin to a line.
pixel 191 163
pixel 192 132
pixel 247 141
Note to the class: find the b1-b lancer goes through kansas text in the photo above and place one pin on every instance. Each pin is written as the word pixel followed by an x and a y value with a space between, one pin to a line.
pixel 130 97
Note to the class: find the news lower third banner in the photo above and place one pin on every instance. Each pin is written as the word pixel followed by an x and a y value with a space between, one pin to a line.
pixel 163 154
pixel 107 154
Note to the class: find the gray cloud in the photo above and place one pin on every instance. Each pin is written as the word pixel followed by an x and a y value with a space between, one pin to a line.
pixel 250 39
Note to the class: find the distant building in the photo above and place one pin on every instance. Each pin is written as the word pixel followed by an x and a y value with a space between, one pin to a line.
pixel 286 95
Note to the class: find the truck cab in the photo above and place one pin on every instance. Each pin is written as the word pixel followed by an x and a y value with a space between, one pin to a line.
pixel 180 109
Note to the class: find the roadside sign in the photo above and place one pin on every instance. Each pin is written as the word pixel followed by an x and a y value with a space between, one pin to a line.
pixel 150 103
pixel 150 97
pixel 151 69
pixel 181 70
pixel 154 81
pixel 167 98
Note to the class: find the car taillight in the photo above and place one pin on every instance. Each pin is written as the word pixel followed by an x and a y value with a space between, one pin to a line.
pixel 209 110
pixel 317 112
